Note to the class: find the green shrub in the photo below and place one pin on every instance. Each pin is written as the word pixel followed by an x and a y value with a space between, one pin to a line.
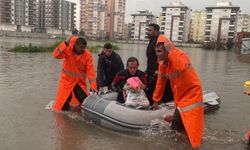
pixel 34 49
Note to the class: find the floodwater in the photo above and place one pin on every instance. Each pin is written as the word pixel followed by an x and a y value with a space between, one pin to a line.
pixel 28 82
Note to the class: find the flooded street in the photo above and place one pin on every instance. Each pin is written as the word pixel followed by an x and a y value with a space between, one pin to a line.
pixel 28 82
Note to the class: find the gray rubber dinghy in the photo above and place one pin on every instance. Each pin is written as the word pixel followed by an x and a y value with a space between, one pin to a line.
pixel 103 110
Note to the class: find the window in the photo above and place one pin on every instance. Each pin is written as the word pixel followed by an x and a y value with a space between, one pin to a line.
pixel 230 34
pixel 208 27
pixel 207 33
pixel 181 24
pixel 209 10
pixel 231 28
pixel 208 22
pixel 232 22
pixel 209 16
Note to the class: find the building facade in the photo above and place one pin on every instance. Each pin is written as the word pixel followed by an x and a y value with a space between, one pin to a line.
pixel 103 18
pixel 92 18
pixel 59 16
pixel 140 23
pixel 175 22
pixel 18 15
pixel 51 16
pixel 198 22
pixel 243 24
pixel 221 22
pixel 116 18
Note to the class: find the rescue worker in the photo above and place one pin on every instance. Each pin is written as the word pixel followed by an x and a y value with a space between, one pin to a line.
pixel 77 65
pixel 152 64
pixel 121 78
pixel 187 90
pixel 109 64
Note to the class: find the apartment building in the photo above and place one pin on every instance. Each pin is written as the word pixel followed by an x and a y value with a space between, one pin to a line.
pixel 92 18
pixel 221 22
pixel 51 16
pixel 198 22
pixel 140 23
pixel 103 18
pixel 17 15
pixel 59 16
pixel 175 22
pixel 243 23
pixel 116 18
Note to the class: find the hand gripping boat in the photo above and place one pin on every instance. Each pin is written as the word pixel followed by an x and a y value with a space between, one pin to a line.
pixel 103 110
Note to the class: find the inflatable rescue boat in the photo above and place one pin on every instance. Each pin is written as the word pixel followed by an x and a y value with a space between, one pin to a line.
pixel 105 111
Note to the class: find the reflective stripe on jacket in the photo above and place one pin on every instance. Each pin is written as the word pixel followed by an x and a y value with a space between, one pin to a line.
pixel 187 91
pixel 74 71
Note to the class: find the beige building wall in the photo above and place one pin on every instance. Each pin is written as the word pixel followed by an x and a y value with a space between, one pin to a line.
pixel 221 22
pixel 243 23
pixel 198 22
pixel 175 21
pixel 140 23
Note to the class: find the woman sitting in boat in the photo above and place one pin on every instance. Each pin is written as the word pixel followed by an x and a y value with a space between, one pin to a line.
pixel 121 78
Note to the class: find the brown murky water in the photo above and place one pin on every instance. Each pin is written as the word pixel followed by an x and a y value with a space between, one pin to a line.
pixel 28 82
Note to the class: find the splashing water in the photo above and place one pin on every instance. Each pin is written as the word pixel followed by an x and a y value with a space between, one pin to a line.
pixel 70 114
pixel 49 106
pixel 161 130
pixel 219 137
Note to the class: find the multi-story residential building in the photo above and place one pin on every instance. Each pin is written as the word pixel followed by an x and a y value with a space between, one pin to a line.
pixel 243 23
pixel 175 22
pixel 115 18
pixel 59 16
pixel 92 18
pixel 140 24
pixel 51 16
pixel 198 22
pixel 221 22
pixel 17 15
pixel 103 18
pixel 40 17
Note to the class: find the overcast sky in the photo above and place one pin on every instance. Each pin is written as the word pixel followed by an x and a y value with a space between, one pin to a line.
pixel 154 6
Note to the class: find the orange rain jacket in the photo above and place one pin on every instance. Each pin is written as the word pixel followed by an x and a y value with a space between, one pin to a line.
pixel 74 71
pixel 187 92
pixel 248 133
